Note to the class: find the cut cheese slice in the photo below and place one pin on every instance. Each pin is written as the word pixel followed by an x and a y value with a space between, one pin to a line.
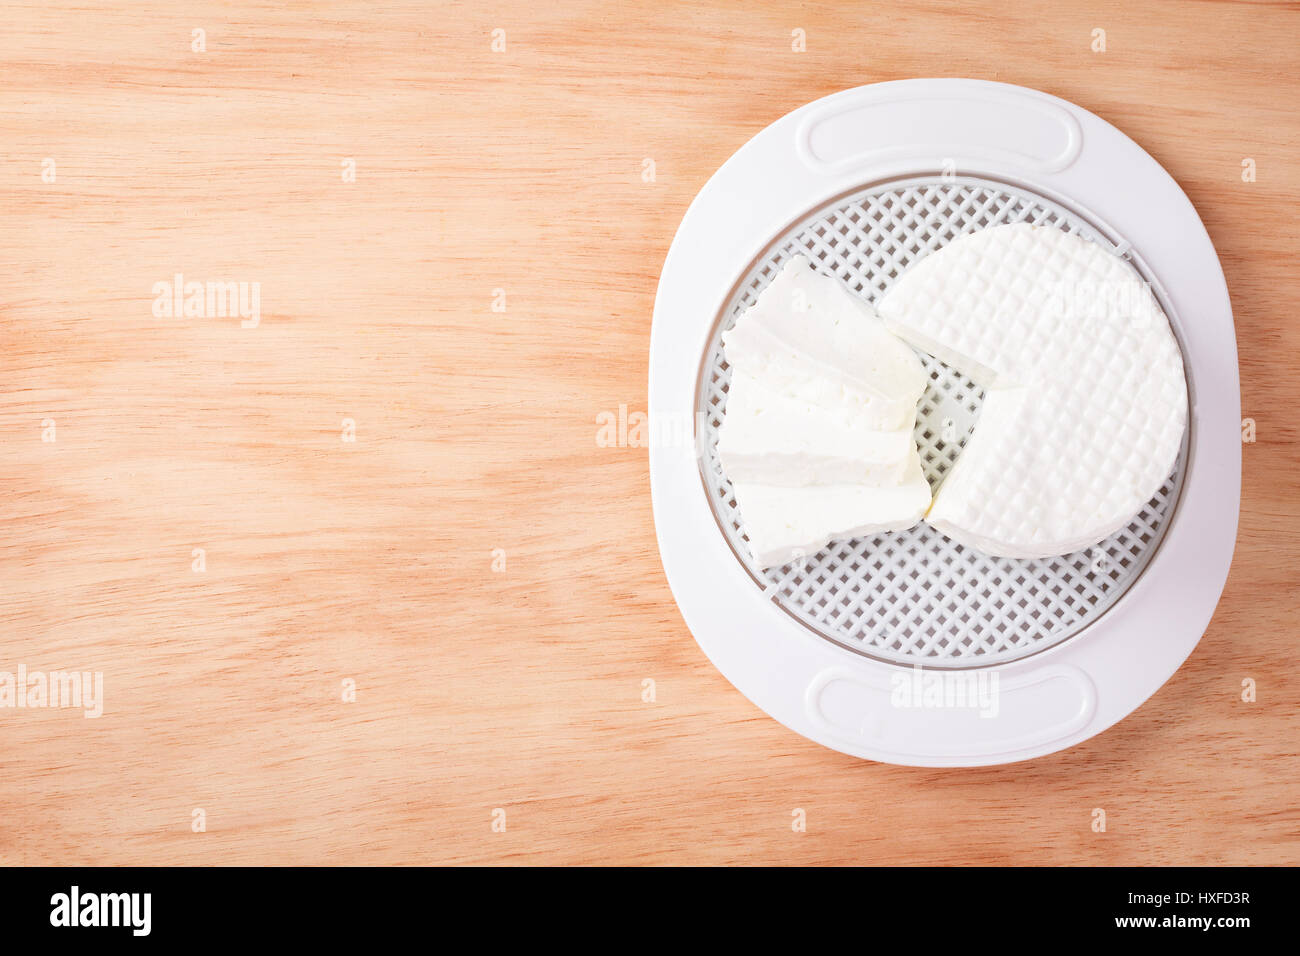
pixel 786 524
pixel 1086 400
pixel 808 331
pixel 794 376
pixel 773 436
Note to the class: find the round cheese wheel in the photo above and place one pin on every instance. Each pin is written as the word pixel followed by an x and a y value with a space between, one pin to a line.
pixel 1085 397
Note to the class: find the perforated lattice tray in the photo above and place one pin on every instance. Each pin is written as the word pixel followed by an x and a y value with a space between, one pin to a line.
pixel 916 596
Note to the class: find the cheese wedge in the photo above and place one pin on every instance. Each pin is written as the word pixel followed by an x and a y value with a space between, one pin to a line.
pixel 786 524
pixel 817 438
pixel 772 436
pixel 808 331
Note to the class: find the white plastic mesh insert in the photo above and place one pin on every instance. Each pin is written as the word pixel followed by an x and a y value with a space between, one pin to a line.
pixel 916 596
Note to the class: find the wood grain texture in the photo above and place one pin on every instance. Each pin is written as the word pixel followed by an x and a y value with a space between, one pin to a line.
pixel 475 430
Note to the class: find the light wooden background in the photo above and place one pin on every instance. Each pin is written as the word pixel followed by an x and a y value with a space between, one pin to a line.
pixel 475 430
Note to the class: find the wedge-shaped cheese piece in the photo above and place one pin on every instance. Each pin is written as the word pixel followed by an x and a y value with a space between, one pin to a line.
pixel 793 376
pixel 1085 402
pixel 784 524
pixel 773 436
pixel 808 331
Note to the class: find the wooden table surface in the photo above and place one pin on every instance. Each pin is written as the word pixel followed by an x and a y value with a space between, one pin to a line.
pixel 473 563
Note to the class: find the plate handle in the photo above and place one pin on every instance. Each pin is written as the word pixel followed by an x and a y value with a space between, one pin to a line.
pixel 945 129
pixel 940 713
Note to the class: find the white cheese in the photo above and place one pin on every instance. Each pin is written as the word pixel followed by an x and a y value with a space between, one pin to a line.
pixel 786 524
pixel 809 328
pixel 772 436
pixel 793 376
pixel 817 438
pixel 1085 402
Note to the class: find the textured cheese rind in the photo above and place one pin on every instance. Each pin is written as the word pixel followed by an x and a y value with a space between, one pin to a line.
pixel 1086 400
pixel 784 524
pixel 812 328
pixel 772 436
